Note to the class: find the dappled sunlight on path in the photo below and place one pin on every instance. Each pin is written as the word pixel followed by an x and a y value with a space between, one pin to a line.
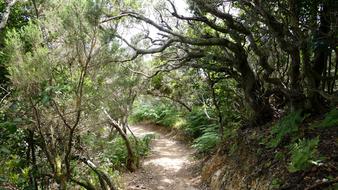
pixel 168 166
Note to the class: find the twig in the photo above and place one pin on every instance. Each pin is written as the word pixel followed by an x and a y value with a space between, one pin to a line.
pixel 3 98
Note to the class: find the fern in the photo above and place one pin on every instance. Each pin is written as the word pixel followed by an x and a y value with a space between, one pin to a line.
pixel 197 122
pixel 330 120
pixel 303 154
pixel 207 141
pixel 286 126
pixel 161 114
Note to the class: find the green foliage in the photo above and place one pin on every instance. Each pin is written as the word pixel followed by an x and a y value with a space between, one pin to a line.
pixel 276 183
pixel 50 55
pixel 194 124
pixel 197 123
pixel 207 141
pixel 143 145
pixel 330 120
pixel 18 18
pixel 29 61
pixel 113 153
pixel 304 153
pixel 15 169
pixel 161 114
pixel 287 126
pixel 143 113
pixel 167 116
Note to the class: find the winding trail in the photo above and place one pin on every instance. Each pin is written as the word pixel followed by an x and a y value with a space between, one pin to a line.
pixel 169 165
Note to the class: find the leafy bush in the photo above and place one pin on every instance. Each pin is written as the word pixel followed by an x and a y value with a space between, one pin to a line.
pixel 194 124
pixel 330 120
pixel 113 154
pixel 143 145
pixel 15 169
pixel 161 114
pixel 303 154
pixel 144 113
pixel 276 183
pixel 197 122
pixel 287 126
pixel 207 141
pixel 168 115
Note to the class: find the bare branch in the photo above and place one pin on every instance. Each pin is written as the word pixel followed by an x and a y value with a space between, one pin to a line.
pixel 61 115
pixel 110 18
pixel 199 19
pixel 5 96
pixel 147 51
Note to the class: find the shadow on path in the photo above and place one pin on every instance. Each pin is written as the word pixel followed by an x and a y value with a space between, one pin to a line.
pixel 168 166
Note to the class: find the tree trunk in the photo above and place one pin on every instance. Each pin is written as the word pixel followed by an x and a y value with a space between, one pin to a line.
pixel 5 14
pixel 253 92
pixel 132 161
pixel 306 54
pixel 335 71
pixel 296 93
pixel 217 106
pixel 320 58
pixel 63 184
pixel 31 158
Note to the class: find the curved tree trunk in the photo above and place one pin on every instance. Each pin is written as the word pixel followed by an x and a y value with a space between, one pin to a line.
pixel 253 92
pixel 132 161
pixel 105 181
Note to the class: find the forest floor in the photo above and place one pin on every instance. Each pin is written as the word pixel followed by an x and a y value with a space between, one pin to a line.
pixel 170 164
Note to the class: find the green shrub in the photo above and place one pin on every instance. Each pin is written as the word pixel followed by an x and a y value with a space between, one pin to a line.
pixel 143 146
pixel 160 114
pixel 287 126
pixel 15 168
pixel 144 113
pixel 206 142
pixel 330 120
pixel 303 154
pixel 194 124
pixel 276 183
pixel 197 122
pixel 113 154
pixel 168 115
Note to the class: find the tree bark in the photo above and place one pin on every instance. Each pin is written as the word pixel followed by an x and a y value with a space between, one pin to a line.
pixel 217 106
pixel 5 14
pixel 31 157
pixel 132 161
pixel 253 91
pixel 296 93
pixel 320 58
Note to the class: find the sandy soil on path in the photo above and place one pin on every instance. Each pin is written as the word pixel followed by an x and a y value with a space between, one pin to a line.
pixel 169 165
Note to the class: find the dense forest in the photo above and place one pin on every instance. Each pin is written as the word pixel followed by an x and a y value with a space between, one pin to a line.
pixel 249 85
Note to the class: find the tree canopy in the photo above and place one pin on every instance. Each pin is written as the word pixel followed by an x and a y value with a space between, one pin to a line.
pixel 73 73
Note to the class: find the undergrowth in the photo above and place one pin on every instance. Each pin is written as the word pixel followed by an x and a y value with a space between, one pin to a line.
pixel 113 153
pixel 288 138
pixel 195 124
pixel 330 120
pixel 304 153
pixel 159 114
pixel 286 127
pixel 207 141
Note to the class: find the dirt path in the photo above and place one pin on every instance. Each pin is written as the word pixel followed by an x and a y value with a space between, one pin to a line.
pixel 169 165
